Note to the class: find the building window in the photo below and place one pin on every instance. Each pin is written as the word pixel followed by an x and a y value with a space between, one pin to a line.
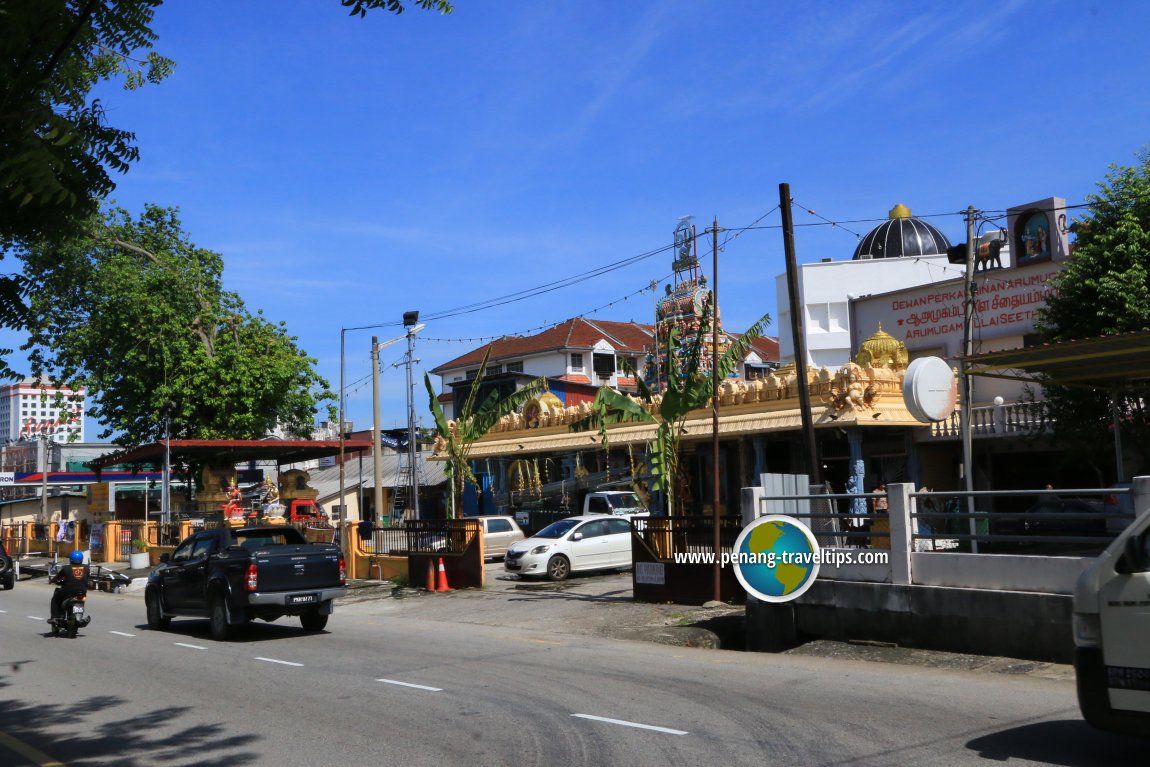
pixel 472 373
pixel 577 363
pixel 604 365
pixel 515 367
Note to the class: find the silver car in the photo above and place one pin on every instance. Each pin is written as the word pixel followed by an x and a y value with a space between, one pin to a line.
pixel 498 534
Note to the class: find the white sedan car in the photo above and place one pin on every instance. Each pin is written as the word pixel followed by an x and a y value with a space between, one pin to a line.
pixel 575 544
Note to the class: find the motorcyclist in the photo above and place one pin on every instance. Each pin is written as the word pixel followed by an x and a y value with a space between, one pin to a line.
pixel 71 580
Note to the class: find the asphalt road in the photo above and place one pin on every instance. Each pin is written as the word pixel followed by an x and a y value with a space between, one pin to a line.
pixel 413 682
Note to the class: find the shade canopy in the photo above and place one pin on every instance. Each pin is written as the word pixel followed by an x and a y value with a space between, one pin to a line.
pixel 232 451
pixel 1105 362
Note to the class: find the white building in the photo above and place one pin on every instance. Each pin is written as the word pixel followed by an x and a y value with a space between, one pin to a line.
pixel 900 253
pixel 28 411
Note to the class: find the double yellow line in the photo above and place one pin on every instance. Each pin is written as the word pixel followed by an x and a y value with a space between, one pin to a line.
pixel 20 747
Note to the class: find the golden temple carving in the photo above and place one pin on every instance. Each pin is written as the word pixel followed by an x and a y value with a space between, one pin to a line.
pixel 855 389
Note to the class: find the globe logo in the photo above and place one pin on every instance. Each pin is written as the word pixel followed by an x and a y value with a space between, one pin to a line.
pixel 776 558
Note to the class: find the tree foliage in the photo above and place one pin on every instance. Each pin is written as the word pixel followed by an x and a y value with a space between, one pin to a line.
pixel 57 153
pixel 473 419
pixel 688 388
pixel 361 7
pixel 1104 290
pixel 136 313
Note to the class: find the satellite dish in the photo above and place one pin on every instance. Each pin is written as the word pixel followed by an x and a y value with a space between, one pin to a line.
pixel 929 389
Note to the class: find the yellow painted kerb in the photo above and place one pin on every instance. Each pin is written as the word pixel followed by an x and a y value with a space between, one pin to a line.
pixel 22 748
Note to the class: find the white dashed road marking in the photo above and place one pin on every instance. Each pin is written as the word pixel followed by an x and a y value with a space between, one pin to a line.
pixel 283 662
pixel 667 730
pixel 35 617
pixel 409 684
pixel 121 633
pixel 189 646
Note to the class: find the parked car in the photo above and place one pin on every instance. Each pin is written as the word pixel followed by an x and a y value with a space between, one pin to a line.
pixel 7 569
pixel 576 544
pixel 1083 517
pixel 498 535
pixel 1119 508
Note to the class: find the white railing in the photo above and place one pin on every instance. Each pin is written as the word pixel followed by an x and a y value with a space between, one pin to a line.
pixel 996 420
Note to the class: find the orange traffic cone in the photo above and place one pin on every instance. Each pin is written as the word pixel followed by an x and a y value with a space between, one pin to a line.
pixel 430 575
pixel 443 578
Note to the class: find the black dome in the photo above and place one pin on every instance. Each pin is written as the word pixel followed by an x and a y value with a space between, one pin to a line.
pixel 902 236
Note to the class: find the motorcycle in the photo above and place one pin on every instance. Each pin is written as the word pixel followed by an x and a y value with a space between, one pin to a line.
pixel 73 618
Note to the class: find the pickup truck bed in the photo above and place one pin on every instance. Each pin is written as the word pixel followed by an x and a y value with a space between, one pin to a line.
pixel 233 576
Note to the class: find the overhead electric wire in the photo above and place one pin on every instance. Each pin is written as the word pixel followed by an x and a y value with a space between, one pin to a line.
pixel 754 226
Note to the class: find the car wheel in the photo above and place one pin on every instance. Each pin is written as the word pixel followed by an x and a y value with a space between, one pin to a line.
pixel 558 568
pixel 313 621
pixel 219 619
pixel 156 619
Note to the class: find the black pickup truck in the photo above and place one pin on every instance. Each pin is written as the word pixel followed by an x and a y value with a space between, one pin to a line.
pixel 232 576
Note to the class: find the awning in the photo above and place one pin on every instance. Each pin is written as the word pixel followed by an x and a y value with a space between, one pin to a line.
pixel 232 451
pixel 1105 362
pixel 1102 363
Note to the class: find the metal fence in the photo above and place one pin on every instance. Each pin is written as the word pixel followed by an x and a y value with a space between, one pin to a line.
pixel 1065 521
pixel 667 537
pixel 423 536
pixel 130 532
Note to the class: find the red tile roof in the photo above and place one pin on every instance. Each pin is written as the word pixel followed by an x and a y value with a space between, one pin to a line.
pixel 767 348
pixel 576 334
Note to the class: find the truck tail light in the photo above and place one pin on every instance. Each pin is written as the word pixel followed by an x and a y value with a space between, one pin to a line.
pixel 342 572
pixel 251 582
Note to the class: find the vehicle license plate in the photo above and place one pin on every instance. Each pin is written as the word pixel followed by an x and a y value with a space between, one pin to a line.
pixel 511 565
pixel 303 599
pixel 77 609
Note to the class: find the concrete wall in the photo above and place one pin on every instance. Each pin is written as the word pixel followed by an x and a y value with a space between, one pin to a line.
pixel 985 622
pixel 1047 575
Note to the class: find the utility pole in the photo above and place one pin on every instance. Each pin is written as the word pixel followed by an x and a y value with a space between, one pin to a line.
pixel 166 489
pixel 342 439
pixel 967 387
pixel 715 495
pixel 376 451
pixel 799 334
pixel 44 482
pixel 409 321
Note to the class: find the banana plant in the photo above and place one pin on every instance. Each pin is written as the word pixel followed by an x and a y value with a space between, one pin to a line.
pixel 688 388
pixel 455 437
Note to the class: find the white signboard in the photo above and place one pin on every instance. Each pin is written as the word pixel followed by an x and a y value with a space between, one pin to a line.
pixel 7 477
pixel 650 573
pixel 931 316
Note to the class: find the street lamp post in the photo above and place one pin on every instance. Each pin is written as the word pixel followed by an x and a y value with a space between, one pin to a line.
pixel 377 456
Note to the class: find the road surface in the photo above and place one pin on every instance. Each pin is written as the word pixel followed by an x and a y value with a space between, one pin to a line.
pixel 392 683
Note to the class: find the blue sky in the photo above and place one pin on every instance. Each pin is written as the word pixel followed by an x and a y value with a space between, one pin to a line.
pixel 350 170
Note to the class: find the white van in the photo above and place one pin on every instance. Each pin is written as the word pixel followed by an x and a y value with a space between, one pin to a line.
pixel 1112 628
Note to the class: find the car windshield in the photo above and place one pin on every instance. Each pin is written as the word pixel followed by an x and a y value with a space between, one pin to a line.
pixel 625 502
pixel 557 529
